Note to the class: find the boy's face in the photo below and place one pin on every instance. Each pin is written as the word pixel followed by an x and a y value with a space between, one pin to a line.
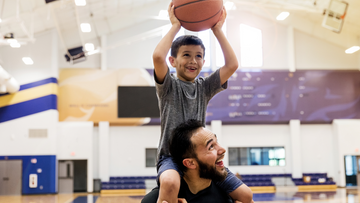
pixel 188 62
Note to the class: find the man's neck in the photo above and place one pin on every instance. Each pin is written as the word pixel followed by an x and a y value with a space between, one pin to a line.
pixel 195 183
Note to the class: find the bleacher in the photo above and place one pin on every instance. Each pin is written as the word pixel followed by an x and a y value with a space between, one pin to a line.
pixel 318 182
pixel 259 183
pixel 127 185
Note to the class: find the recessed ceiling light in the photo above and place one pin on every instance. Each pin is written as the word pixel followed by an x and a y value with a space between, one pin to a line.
pixel 28 60
pixel 15 45
pixel 282 15
pixel 94 51
pixel 85 27
pixel 80 2
pixel 0 20
pixel 352 49
pixel 11 41
pixel 89 47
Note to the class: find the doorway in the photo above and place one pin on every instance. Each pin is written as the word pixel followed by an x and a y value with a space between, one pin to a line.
pixel 352 170
pixel 10 177
pixel 72 176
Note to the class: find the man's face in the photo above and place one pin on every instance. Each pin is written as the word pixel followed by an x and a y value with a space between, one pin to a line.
pixel 210 155
pixel 188 62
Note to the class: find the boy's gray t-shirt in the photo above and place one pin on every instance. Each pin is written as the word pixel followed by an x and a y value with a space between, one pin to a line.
pixel 180 101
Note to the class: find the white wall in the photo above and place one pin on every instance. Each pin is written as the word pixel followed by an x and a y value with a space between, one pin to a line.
pixel 135 52
pixel 14 135
pixel 274 38
pixel 317 147
pixel 127 149
pixel 315 53
pixel 347 142
pixel 257 136
pixel 75 142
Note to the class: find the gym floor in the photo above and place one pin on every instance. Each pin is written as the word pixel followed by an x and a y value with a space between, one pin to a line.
pixel 349 195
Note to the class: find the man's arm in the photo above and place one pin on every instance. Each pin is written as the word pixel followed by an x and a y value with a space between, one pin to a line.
pixel 161 50
pixel 231 63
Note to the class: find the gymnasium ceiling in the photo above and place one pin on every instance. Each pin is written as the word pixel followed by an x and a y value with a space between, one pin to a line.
pixel 26 18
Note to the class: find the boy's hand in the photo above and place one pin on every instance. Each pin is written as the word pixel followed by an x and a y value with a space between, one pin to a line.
pixel 221 21
pixel 172 17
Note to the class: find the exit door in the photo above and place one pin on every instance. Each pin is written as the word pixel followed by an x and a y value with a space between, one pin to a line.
pixel 10 177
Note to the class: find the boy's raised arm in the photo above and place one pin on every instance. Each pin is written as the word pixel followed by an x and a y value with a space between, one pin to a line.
pixel 161 50
pixel 231 62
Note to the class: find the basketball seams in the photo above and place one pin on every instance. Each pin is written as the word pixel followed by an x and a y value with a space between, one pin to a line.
pixel 201 20
pixel 188 3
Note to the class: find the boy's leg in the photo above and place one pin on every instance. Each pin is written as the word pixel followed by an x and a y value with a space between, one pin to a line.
pixel 169 186
pixel 168 180
pixel 237 190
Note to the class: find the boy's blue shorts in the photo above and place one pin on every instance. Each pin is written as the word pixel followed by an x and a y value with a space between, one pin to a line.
pixel 228 185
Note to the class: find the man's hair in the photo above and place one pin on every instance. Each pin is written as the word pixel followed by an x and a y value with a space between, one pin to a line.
pixel 181 146
pixel 185 40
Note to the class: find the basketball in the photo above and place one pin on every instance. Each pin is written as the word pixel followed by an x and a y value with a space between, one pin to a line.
pixel 198 15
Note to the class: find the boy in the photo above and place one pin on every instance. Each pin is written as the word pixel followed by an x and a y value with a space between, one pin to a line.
pixel 184 97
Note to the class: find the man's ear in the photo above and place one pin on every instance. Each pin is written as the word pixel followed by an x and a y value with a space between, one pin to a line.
pixel 189 163
pixel 172 61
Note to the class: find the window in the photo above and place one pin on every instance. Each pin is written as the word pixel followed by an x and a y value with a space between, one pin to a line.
pixel 151 154
pixel 271 156
pixel 250 46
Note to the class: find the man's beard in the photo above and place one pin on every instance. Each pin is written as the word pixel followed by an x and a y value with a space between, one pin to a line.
pixel 209 172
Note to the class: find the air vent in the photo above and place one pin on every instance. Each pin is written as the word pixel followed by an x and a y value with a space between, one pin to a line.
pixel 38 133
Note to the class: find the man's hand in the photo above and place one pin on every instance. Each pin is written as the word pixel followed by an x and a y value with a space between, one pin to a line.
pixel 172 17
pixel 221 21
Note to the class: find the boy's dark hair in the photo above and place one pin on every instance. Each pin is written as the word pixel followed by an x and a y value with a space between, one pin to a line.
pixel 180 143
pixel 185 40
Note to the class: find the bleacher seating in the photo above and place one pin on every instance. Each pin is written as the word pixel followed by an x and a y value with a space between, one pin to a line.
pixel 261 179
pixel 314 179
pixel 259 183
pixel 126 182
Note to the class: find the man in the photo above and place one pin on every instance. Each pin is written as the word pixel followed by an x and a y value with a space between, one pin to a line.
pixel 200 157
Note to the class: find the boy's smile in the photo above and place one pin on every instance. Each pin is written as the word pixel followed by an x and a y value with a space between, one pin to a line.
pixel 188 62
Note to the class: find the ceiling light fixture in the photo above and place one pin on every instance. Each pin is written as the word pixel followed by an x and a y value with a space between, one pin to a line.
pixel 12 41
pixel 94 51
pixel 15 45
pixel 352 49
pixel 0 20
pixel 89 47
pixel 28 60
pixel 85 27
pixel 282 15
pixel 80 2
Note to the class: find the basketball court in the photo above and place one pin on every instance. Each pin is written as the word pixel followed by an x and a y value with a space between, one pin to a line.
pixel 340 195
pixel 79 114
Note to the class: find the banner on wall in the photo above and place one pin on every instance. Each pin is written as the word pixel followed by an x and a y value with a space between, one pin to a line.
pixel 252 97
pixel 92 95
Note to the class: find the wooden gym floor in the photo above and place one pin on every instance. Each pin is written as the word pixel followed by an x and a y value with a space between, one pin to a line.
pixel 339 196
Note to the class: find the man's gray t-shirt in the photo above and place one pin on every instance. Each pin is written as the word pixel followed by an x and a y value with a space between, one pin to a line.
pixel 180 101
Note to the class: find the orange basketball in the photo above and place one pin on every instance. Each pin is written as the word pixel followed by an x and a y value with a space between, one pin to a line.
pixel 197 15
